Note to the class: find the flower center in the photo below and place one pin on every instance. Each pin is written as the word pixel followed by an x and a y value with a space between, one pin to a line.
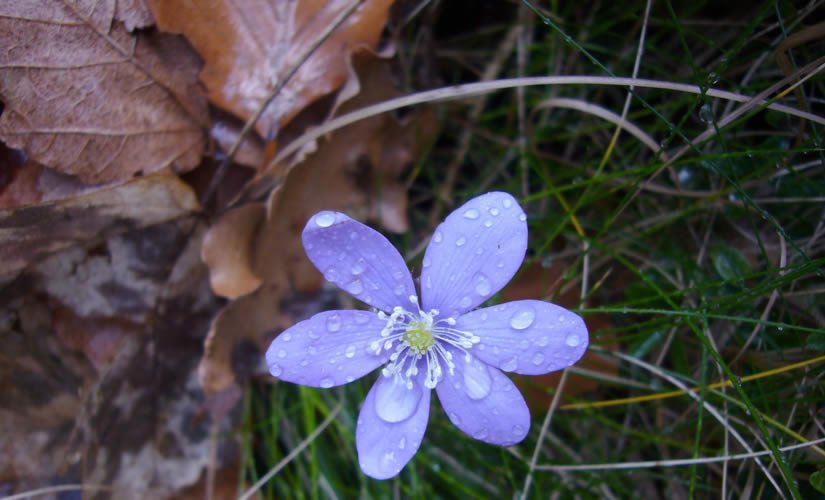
pixel 418 339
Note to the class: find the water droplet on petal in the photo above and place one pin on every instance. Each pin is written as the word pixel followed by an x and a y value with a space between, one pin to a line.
pixel 313 334
pixel 538 358
pixel 327 382
pixel 324 219
pixel 543 341
pixel 524 344
pixel 333 323
pixel 480 434
pixel 353 235
pixel 275 370
pixel 494 212
pixel 483 286
pixel 484 316
pixel 465 302
pixel 572 340
pixel 402 443
pixel 350 378
pixel 488 223
pixel 427 261
pixel 518 430
pixel 510 365
pixel 455 418
pixel 522 319
pixel 471 214
pixel 350 352
pixel 460 241
pixel 357 269
pixel 355 287
pixel 286 336
pixel 507 203
pixel 362 318
pixel 522 217
pixel 437 237
pixel 281 353
pixel 477 380
pixel 304 362
pixel 398 290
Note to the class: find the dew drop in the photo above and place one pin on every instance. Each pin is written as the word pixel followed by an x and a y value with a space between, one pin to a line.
pixel 427 261
pixel 494 212
pixel 286 336
pixel 524 344
pixel 398 290
pixel 333 323
pixel 522 217
pixel 522 319
pixel 484 316
pixel 572 340
pixel 481 433
pixel 483 286
pixel 398 275
pixel 437 237
pixel 282 354
pixel 350 378
pixel 362 319
pixel 350 352
pixel 314 334
pixel 327 382
pixel 465 302
pixel 324 219
pixel 357 269
pixel 471 214
pixel 355 287
pixel 304 362
pixel 538 358
pixel 507 203
pixel 543 341
pixel 518 430
pixel 275 370
pixel 460 241
pixel 488 223
pixel 402 443
pixel 455 418
pixel 500 264
pixel 510 365
pixel 479 251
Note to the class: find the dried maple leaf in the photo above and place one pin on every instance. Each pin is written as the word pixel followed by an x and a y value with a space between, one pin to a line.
pixel 248 46
pixel 84 96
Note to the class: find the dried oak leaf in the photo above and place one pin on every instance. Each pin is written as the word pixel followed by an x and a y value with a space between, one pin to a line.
pixel 84 96
pixel 355 170
pixel 248 46
pixel 29 233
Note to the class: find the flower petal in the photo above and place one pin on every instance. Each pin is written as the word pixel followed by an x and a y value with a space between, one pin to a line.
pixel 530 337
pixel 384 448
pixel 329 349
pixel 473 253
pixel 500 417
pixel 358 259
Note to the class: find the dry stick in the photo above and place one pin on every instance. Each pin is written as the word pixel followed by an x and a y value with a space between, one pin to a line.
pixel 544 427
pixel 477 107
pixel 673 463
pixel 709 407
pixel 250 123
pixel 479 88
pixel 292 454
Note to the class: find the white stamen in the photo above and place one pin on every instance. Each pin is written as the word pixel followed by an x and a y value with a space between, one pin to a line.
pixel 421 338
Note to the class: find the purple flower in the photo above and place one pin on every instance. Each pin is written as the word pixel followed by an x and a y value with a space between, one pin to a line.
pixel 439 342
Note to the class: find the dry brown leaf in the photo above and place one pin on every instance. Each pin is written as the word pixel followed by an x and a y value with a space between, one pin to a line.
pixel 84 96
pixel 356 170
pixel 29 233
pixel 249 45
pixel 227 251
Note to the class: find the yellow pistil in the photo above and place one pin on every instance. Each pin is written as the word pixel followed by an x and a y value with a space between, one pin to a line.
pixel 419 337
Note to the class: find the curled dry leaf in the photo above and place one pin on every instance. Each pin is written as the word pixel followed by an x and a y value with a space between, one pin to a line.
pixel 356 170
pixel 84 96
pixel 228 253
pixel 248 46
pixel 29 233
